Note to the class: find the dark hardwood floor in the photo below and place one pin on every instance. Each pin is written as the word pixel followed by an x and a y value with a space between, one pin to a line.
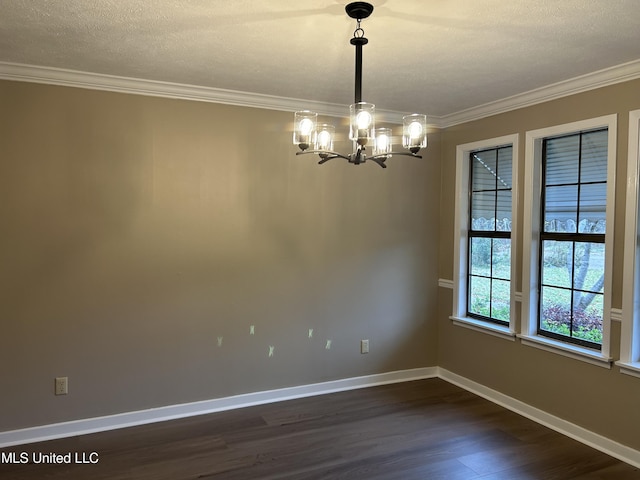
pixel 427 429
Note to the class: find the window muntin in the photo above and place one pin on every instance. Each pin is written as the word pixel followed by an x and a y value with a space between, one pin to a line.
pixel 489 235
pixel 572 238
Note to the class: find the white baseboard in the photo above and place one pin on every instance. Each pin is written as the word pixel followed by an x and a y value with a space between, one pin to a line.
pixel 171 412
pixel 603 444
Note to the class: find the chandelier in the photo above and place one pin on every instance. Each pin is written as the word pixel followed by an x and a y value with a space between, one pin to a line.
pixel 313 137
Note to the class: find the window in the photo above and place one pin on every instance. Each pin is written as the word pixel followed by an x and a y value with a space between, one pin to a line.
pixel 489 235
pixel 484 294
pixel 572 234
pixel 630 336
pixel 568 227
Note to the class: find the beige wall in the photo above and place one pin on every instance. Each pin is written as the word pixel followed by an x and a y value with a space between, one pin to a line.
pixel 138 230
pixel 598 399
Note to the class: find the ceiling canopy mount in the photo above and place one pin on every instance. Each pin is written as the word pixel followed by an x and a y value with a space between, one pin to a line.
pixel 359 10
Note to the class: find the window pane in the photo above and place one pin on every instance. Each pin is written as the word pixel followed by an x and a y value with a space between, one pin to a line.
pixel 555 315
pixel 505 169
pixel 483 210
pixel 560 209
pixel 594 157
pixel 562 160
pixel 480 256
pixel 557 263
pixel 593 206
pixel 502 258
pixel 500 298
pixel 484 170
pixel 588 267
pixel 503 220
pixel 480 296
pixel 587 322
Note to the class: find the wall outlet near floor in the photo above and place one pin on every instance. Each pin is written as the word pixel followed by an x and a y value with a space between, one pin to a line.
pixel 62 385
pixel 364 346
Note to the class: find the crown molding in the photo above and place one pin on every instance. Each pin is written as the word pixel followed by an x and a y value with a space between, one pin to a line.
pixel 136 86
pixel 112 83
pixel 96 81
pixel 601 78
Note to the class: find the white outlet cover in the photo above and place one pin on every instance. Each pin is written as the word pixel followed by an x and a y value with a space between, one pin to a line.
pixel 62 385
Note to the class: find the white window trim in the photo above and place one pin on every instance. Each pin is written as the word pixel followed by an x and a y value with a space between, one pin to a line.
pixel 630 334
pixel 531 231
pixel 460 264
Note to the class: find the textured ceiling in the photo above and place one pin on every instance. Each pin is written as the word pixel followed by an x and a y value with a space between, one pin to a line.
pixel 431 56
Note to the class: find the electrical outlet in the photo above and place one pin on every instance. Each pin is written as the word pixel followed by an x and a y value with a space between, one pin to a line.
pixel 364 346
pixel 62 385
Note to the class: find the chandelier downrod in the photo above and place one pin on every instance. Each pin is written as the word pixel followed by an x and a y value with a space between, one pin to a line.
pixel 359 11
pixel 358 42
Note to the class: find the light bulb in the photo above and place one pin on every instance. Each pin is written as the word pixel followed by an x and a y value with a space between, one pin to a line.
pixel 323 138
pixel 363 120
pixel 382 141
pixel 382 144
pixel 305 126
pixel 415 130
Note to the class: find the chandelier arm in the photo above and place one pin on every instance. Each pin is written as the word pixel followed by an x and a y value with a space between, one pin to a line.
pixel 332 154
pixel 378 159
pixel 324 160
pixel 406 154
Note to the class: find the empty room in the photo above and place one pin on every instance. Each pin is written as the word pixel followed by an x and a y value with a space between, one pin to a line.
pixel 395 239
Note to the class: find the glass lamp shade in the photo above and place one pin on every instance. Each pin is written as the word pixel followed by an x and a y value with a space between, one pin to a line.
pixel 382 142
pixel 304 128
pixel 414 132
pixel 324 137
pixel 362 119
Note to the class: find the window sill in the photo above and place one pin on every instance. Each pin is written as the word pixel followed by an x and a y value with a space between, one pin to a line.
pixel 484 327
pixel 631 368
pixel 576 352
